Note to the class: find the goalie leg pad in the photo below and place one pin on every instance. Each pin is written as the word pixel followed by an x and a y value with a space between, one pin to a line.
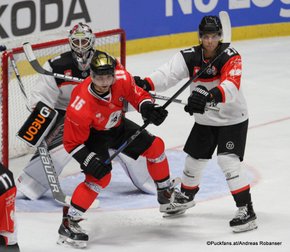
pixel 138 173
pixel 30 187
pixel 33 182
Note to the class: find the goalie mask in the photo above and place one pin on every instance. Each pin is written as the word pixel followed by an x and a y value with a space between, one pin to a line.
pixel 81 41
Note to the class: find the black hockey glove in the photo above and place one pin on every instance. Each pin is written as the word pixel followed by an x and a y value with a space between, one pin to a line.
pixel 153 113
pixel 197 100
pixel 94 166
pixel 142 83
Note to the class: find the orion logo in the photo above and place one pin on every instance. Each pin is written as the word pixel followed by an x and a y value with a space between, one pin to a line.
pixel 230 145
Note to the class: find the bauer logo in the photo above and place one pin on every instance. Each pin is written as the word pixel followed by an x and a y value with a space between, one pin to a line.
pixel 37 125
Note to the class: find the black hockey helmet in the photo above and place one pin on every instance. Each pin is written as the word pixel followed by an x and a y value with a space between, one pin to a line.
pixel 103 63
pixel 210 24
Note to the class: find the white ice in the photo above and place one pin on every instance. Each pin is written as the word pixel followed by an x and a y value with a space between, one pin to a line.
pixel 266 84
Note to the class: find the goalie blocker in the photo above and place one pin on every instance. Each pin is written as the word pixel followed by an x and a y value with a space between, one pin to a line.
pixel 38 124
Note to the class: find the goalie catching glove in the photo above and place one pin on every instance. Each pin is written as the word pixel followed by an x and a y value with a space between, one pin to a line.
pixel 94 166
pixel 196 102
pixel 153 113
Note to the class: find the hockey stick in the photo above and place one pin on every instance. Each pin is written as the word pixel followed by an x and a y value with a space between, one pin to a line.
pixel 166 98
pixel 138 132
pixel 38 68
pixel 226 42
pixel 42 149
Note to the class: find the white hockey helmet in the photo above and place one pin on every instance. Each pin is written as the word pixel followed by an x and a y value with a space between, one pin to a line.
pixel 81 41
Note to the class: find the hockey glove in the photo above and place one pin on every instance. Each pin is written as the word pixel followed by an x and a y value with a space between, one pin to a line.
pixel 94 166
pixel 153 113
pixel 197 100
pixel 142 83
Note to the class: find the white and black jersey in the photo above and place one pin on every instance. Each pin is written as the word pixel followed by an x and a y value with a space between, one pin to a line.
pixel 56 92
pixel 224 73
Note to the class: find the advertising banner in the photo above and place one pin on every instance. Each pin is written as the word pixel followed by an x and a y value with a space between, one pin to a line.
pixel 25 18
pixel 142 19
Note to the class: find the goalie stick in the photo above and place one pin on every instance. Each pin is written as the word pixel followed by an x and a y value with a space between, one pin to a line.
pixel 225 20
pixel 38 68
pixel 44 155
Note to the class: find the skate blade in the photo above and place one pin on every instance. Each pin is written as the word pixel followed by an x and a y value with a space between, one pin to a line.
pixel 174 214
pixel 246 227
pixel 190 204
pixel 65 241
pixel 172 208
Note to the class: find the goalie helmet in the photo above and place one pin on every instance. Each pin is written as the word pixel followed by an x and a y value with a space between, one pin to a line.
pixel 103 63
pixel 210 24
pixel 81 41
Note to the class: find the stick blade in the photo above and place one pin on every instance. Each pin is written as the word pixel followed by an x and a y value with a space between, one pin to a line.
pixel 28 51
pixel 226 24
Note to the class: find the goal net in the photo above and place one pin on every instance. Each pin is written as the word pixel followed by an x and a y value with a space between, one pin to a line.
pixel 12 103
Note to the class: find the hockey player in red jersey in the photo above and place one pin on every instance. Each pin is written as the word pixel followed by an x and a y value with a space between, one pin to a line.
pixel 8 232
pixel 225 130
pixel 94 123
pixel 55 92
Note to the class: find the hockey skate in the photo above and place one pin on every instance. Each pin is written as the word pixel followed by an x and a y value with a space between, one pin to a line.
pixel 244 219
pixel 70 232
pixel 172 201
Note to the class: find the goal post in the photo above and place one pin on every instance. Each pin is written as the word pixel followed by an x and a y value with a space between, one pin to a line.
pixel 12 104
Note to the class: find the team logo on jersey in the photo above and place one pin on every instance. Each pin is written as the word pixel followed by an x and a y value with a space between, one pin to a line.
pixel 85 74
pixel 211 71
pixel 230 145
pixel 68 72
pixel 113 119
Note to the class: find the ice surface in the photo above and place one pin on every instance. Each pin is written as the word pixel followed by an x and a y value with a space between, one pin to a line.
pixel 130 221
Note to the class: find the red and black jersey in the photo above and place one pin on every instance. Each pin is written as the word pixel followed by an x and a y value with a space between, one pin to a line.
pixel 87 110
pixel 7 200
pixel 56 92
pixel 225 74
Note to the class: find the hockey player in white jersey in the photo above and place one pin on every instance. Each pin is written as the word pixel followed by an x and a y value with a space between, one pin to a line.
pixel 225 130
pixel 56 93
